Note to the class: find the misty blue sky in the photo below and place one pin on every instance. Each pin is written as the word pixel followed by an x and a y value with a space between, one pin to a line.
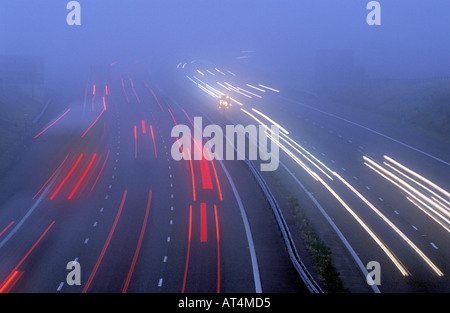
pixel 412 40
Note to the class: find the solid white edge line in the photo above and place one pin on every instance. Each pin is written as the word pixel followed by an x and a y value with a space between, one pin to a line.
pixel 15 229
pixel 373 131
pixel 336 229
pixel 248 232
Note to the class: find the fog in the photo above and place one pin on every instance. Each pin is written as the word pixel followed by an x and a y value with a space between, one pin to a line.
pixel 412 40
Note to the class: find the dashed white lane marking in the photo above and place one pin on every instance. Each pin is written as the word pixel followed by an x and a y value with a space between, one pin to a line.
pixel 60 286
pixel 433 245
pixel 343 169
pixel 171 208
pixel 367 187
pixel 355 178
pixel 171 195
pixel 171 222
pixel 86 240
pixel 160 282
pixel 106 197
pixel 168 239
pixel 95 224
pixel 414 227
pixel 165 259
pixel 381 199
pixel 396 212
pixel 109 187
pixel 101 209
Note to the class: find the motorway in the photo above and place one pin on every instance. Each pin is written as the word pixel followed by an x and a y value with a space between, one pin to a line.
pixel 98 186
pixel 377 191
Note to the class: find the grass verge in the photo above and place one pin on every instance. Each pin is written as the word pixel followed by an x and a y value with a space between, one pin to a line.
pixel 319 252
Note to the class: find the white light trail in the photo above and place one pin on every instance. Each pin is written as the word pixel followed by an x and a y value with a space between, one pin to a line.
pixel 220 72
pixel 259 89
pixel 272 121
pixel 387 221
pixel 268 88
pixel 446 193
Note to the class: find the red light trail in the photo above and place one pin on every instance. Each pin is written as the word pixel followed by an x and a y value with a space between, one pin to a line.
pixel 53 123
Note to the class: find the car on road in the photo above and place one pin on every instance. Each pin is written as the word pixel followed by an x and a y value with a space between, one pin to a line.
pixel 224 102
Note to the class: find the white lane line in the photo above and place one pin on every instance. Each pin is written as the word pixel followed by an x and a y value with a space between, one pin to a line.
pixel 165 259
pixel 358 261
pixel 381 199
pixel 110 186
pixel 248 232
pixel 95 224
pixel 168 239
pixel 86 240
pixel 106 197
pixel 101 209
pixel 171 208
pixel 414 227
pixel 375 132
pixel 396 212
pixel 367 187
pixel 433 245
pixel 60 286
pixel 251 245
pixel 160 282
